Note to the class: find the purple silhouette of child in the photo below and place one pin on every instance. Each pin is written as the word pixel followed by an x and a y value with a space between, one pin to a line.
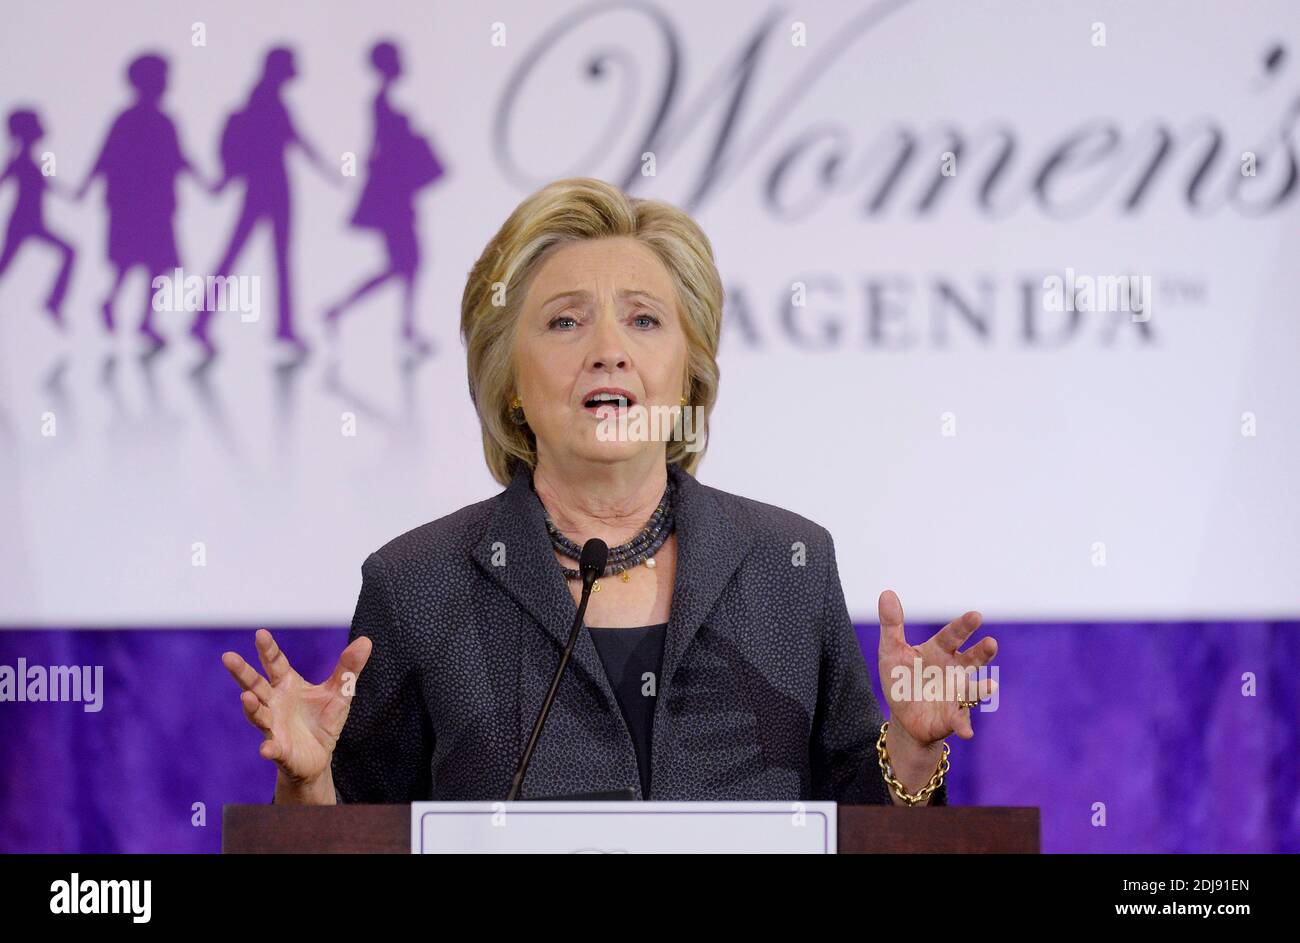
pixel 254 144
pixel 140 161
pixel 27 220
pixel 401 163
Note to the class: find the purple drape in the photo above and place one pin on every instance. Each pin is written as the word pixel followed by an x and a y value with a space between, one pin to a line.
pixel 1144 722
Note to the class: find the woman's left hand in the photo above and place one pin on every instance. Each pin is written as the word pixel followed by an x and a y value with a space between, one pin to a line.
pixel 929 721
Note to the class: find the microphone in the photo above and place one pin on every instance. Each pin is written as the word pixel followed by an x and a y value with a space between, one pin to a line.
pixel 591 563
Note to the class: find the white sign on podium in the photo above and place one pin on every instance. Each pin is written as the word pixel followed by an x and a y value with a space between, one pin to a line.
pixel 623 827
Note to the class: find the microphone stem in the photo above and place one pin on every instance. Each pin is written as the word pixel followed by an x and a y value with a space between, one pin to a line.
pixel 588 580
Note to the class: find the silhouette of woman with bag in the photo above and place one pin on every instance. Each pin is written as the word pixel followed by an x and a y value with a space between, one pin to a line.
pixel 401 164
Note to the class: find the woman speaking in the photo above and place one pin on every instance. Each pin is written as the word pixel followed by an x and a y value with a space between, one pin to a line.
pixel 719 660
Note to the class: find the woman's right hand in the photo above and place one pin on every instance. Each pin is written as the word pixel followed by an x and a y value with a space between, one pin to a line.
pixel 300 721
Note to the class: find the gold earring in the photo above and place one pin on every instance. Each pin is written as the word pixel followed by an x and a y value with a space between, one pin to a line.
pixel 683 400
pixel 517 411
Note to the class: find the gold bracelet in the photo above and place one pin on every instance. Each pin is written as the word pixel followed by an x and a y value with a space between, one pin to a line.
pixel 887 769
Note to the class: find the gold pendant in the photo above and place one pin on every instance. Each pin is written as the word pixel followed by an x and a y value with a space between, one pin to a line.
pixel 595 587
pixel 625 576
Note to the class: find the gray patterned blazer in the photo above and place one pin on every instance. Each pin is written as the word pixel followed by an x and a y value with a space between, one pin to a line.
pixel 763 695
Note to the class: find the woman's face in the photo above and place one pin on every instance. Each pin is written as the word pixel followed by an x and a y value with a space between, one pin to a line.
pixel 599 313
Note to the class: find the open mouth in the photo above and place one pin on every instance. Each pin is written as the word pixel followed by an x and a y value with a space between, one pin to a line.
pixel 608 399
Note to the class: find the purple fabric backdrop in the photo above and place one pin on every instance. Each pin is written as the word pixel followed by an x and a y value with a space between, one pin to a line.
pixel 1148 719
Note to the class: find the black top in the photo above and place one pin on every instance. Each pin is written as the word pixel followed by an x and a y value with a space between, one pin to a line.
pixel 632 659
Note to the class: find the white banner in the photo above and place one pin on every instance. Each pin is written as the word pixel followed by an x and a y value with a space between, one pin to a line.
pixel 1011 300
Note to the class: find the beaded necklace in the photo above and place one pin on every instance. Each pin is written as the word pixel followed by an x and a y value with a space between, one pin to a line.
pixel 640 549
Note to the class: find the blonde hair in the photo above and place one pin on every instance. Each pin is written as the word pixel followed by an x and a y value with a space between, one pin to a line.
pixel 562 212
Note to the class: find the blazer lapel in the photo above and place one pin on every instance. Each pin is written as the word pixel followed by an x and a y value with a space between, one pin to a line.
pixel 709 549
pixel 518 527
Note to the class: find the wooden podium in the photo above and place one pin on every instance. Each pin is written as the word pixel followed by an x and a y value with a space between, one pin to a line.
pixel 863 829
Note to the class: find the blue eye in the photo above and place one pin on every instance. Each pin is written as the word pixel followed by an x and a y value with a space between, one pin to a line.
pixel 562 317
pixel 646 317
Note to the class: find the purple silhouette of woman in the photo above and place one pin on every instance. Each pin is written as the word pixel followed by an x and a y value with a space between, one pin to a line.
pixel 27 220
pixel 254 144
pixel 400 164
pixel 140 161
